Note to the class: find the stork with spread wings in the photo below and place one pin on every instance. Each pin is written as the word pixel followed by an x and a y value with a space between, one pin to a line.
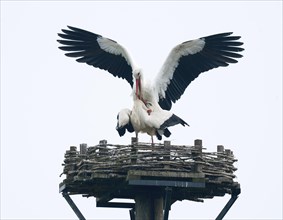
pixel 152 101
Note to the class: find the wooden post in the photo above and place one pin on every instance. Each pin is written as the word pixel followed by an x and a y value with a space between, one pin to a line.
pixel 220 148
pixel 144 207
pixel 83 148
pixel 149 207
pixel 158 208
pixel 103 142
pixel 73 148
pixel 198 155
pixel 103 150
pixel 220 151
pixel 167 153
pixel 134 140
pixel 167 149
pixel 72 153
pixel 198 144
pixel 134 150
pixel 70 158
pixel 228 152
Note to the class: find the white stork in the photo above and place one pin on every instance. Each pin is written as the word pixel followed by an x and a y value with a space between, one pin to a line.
pixel 152 101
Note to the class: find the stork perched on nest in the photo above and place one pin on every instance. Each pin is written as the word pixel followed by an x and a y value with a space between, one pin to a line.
pixel 152 101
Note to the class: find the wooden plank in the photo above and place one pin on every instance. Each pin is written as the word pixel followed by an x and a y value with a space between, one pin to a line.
pixel 171 183
pixel 135 174
pixel 106 176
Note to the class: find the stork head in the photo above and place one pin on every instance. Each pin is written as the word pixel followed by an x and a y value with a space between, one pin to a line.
pixel 137 73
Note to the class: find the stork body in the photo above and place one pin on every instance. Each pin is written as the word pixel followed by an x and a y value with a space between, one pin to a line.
pixel 147 118
pixel 141 118
pixel 152 101
pixel 146 115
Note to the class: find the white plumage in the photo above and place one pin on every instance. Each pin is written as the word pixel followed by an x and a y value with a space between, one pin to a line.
pixel 166 73
pixel 152 101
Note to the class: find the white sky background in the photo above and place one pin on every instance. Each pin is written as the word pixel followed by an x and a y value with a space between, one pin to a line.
pixel 49 101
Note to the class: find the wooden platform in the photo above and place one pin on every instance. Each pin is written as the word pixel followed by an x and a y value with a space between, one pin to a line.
pixel 108 171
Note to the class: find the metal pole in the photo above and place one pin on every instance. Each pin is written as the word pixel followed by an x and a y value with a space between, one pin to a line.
pixel 132 214
pixel 73 206
pixel 144 207
pixel 168 192
pixel 227 207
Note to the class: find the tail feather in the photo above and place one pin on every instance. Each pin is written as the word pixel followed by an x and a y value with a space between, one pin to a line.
pixel 167 133
pixel 124 122
pixel 173 120
pixel 164 132
pixel 121 131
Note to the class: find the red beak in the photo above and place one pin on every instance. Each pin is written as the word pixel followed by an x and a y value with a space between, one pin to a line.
pixel 138 88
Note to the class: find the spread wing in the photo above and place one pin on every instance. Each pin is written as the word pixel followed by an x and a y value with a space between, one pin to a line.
pixel 97 51
pixel 188 60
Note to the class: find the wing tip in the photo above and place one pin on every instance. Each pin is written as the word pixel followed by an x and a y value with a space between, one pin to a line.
pixel 226 36
pixel 73 28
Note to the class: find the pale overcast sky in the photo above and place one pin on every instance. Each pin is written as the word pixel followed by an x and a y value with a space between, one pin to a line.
pixel 49 101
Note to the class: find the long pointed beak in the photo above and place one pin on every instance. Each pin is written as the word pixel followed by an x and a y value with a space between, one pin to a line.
pixel 138 88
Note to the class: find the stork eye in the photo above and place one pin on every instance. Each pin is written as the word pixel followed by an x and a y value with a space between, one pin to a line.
pixel 148 104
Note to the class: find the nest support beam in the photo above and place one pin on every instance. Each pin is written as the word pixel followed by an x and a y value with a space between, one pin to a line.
pixel 147 207
pixel 167 202
pixel 229 204
pixel 73 206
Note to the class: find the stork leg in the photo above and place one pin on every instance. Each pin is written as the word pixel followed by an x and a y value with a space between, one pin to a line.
pixel 137 136
pixel 152 143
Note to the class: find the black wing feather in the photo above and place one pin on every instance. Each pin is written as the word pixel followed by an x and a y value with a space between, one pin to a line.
pixel 219 50
pixel 83 45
